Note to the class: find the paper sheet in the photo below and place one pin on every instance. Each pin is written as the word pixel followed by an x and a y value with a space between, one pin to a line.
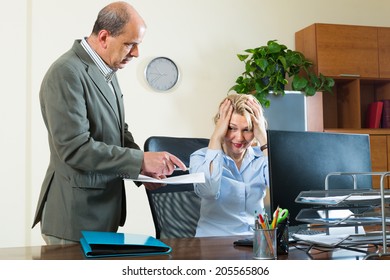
pixel 182 179
pixel 330 200
pixel 321 239
pixel 333 200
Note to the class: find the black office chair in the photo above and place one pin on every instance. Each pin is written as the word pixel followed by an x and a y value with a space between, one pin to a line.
pixel 175 208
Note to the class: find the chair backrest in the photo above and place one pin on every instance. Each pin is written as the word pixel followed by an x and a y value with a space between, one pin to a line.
pixel 175 208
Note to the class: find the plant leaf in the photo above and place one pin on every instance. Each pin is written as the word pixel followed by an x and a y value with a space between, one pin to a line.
pixel 299 83
pixel 242 57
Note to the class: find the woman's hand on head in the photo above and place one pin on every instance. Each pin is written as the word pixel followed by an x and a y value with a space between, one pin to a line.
pixel 258 121
pixel 222 124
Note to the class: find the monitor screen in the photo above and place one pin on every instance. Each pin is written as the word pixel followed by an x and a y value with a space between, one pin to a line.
pixel 300 160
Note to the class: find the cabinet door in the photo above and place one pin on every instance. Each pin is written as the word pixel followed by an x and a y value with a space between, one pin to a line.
pixel 347 50
pixel 384 52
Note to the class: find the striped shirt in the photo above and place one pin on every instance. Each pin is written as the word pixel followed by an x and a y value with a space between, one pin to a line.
pixel 107 72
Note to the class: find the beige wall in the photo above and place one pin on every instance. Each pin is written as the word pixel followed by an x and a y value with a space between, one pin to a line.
pixel 203 38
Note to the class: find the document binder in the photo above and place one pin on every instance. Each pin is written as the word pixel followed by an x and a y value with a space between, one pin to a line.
pixel 111 244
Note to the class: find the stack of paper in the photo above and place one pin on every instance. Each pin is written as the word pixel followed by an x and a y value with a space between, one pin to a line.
pixel 321 239
pixel 182 179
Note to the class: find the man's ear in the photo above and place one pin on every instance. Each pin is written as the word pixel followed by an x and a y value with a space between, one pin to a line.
pixel 103 38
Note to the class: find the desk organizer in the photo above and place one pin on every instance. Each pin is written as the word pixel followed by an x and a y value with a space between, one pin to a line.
pixel 348 207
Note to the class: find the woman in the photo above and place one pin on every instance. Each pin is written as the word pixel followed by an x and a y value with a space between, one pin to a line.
pixel 235 165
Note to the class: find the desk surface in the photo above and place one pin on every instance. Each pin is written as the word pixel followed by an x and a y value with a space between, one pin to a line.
pixel 205 248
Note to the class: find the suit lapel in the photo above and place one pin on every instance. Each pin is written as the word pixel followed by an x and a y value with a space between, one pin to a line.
pixel 105 90
pixel 119 97
pixel 99 81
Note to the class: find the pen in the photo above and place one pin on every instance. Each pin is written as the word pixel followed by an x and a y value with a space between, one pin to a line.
pixel 179 169
pixel 276 215
pixel 266 234
pixel 266 221
pixel 257 223
pixel 263 225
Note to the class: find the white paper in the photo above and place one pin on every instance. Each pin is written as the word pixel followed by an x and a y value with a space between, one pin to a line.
pixel 333 200
pixel 182 179
pixel 365 197
pixel 324 200
pixel 321 239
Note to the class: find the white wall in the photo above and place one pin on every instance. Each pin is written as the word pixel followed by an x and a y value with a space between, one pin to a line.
pixel 202 37
pixel 14 141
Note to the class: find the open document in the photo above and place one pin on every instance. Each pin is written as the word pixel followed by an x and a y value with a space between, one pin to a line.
pixel 182 179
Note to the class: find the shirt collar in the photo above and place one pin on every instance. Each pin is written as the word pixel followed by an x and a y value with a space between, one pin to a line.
pixel 250 154
pixel 107 72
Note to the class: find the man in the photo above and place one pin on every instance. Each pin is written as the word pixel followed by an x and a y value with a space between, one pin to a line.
pixel 90 145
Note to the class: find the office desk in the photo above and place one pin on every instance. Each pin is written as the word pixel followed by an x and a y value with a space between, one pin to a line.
pixel 205 248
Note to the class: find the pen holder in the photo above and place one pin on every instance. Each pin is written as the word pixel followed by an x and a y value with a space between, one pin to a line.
pixel 264 244
pixel 282 237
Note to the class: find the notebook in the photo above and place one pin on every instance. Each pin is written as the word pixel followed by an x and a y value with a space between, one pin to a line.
pixel 113 244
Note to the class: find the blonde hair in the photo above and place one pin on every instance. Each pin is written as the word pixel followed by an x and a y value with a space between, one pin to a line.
pixel 240 107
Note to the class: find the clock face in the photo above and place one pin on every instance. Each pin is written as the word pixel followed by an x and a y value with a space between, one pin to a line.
pixel 162 74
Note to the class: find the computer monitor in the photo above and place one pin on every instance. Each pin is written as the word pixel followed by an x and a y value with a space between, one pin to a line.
pixel 300 160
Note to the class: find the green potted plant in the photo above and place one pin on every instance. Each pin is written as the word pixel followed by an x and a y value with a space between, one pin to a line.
pixel 268 68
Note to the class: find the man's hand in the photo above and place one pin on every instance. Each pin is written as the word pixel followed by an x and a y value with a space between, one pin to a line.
pixel 157 164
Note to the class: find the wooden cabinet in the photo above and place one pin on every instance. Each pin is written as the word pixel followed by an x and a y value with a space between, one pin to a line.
pixel 346 107
pixel 341 50
pixel 384 52
pixel 358 58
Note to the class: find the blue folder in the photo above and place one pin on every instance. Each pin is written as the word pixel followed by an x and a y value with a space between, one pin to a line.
pixel 113 244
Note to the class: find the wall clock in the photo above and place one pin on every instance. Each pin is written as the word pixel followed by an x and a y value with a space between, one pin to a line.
pixel 162 73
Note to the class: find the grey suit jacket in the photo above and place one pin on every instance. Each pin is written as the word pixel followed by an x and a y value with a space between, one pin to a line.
pixel 91 149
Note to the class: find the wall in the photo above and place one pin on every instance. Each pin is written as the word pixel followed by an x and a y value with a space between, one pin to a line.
pixel 202 37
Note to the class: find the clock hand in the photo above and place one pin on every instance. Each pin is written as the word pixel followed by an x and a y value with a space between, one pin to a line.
pixel 156 78
pixel 159 73
pixel 158 70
